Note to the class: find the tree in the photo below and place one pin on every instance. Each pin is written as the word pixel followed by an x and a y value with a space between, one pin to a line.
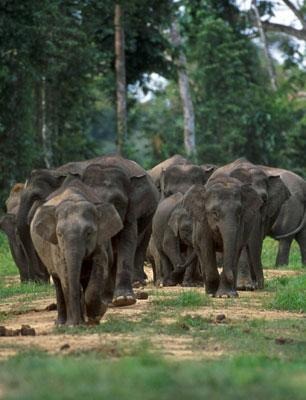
pixel 181 63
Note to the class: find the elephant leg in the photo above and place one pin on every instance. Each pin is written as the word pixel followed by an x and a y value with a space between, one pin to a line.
pixel 155 262
pixel 126 249
pixel 61 305
pixel 166 267
pixel 95 306
pixel 282 257
pixel 171 247
pixel 301 239
pixel 207 257
pixel 246 277
pixel 192 276
pixel 144 232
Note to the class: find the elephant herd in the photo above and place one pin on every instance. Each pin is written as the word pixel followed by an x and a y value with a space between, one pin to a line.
pixel 90 225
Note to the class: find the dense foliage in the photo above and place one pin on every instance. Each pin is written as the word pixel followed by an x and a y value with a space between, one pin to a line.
pixel 57 85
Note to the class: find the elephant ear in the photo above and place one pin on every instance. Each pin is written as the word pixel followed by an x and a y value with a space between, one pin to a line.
pixel 278 193
pixel 174 220
pixel 45 224
pixel 110 222
pixel 194 202
pixel 251 202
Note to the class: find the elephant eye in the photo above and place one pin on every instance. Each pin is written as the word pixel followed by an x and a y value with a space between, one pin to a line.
pixel 215 214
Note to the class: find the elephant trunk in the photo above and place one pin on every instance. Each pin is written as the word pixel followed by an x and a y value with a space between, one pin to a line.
pixel 74 262
pixel 229 233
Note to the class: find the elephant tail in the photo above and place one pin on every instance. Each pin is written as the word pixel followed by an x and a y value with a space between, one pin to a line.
pixel 295 231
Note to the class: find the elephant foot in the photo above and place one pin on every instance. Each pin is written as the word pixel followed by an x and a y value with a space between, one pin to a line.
pixel 60 322
pixel 226 293
pixel 169 282
pixel 93 321
pixel 246 285
pixel 139 283
pixel 192 283
pixel 123 298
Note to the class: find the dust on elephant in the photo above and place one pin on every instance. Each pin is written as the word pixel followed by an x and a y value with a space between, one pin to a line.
pixel 179 178
pixel 142 201
pixel 8 225
pixel 71 232
pixel 273 194
pixel 172 238
pixel 223 212
pixel 290 223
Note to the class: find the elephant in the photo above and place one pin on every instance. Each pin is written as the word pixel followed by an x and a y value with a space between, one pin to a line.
pixel 273 194
pixel 172 239
pixel 71 233
pixel 291 220
pixel 139 200
pixel 223 212
pixel 8 225
pixel 155 172
pixel 179 178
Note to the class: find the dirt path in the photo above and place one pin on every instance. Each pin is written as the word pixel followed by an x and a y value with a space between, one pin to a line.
pixel 249 306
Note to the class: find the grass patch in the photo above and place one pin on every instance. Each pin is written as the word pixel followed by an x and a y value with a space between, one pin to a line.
pixel 7 264
pixel 269 252
pixel 28 291
pixel 290 294
pixel 148 376
pixel 183 299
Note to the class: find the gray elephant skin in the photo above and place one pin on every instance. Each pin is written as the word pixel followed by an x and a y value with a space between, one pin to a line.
pixel 172 243
pixel 291 220
pixel 273 194
pixel 223 212
pixel 71 233
pixel 127 186
pixel 8 225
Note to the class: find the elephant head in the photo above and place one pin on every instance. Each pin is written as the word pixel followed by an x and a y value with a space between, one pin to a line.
pixel 179 178
pixel 79 228
pixel 221 212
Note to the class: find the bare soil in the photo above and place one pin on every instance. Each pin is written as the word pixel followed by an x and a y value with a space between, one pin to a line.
pixel 249 305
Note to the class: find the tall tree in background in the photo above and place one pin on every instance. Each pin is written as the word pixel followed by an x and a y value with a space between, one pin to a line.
pixel 181 63
pixel 120 77
pixel 269 62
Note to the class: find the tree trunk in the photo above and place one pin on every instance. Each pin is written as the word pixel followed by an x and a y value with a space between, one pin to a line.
pixel 181 62
pixel 45 132
pixel 120 78
pixel 263 38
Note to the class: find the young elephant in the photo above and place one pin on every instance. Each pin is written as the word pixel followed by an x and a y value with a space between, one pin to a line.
pixel 223 213
pixel 172 239
pixel 71 233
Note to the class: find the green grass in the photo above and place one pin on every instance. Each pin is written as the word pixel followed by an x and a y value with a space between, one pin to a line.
pixel 290 294
pixel 269 253
pixel 183 299
pixel 39 376
pixel 7 265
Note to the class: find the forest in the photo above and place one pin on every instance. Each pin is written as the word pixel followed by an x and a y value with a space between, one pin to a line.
pixel 245 76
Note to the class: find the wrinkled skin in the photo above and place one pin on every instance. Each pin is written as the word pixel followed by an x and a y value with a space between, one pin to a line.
pixel 135 198
pixel 156 172
pixel 142 200
pixel 172 238
pixel 273 194
pixel 179 178
pixel 8 225
pixel 71 233
pixel 291 217
pixel 223 212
